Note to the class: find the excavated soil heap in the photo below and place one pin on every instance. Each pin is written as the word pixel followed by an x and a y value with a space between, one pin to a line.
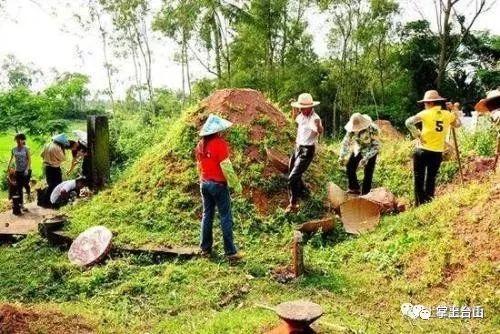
pixel 249 108
pixel 245 107
pixel 387 131
pixel 14 320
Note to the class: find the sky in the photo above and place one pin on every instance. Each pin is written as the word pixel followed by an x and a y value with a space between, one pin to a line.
pixel 46 34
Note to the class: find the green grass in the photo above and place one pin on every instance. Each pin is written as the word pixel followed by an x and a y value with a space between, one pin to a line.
pixel 360 281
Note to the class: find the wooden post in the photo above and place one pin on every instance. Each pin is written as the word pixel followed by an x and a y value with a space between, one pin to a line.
pixel 297 254
pixel 454 134
pixel 98 145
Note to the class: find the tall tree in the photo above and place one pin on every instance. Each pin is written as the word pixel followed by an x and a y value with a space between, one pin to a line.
pixel 130 19
pixel 447 13
pixel 177 20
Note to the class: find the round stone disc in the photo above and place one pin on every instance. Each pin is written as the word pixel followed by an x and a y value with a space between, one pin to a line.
pixel 299 310
pixel 91 246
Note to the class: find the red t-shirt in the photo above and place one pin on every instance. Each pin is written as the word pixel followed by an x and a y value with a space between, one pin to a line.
pixel 216 151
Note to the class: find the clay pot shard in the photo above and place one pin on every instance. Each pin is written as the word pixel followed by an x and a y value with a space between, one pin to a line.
pixel 326 225
pixel 383 197
pixel 278 160
pixel 360 215
pixel 336 196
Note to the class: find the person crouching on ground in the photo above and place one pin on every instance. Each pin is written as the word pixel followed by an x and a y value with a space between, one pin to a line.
pixel 360 148
pixel 216 173
pixel 431 142
pixel 63 192
pixel 22 159
pixel 53 156
pixel 309 128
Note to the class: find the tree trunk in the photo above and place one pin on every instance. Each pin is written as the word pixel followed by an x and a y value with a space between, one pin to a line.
pixel 107 65
pixel 444 44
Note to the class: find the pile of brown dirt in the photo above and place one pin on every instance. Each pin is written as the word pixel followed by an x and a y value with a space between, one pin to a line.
pixel 16 320
pixel 387 131
pixel 264 122
pixel 245 107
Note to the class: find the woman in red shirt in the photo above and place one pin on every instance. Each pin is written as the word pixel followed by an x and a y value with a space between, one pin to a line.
pixel 211 151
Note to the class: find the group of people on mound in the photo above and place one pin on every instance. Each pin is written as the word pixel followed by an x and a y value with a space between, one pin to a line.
pixel 57 193
pixel 360 148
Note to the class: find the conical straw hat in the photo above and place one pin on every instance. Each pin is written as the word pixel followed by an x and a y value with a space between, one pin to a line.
pixel 213 125
pixel 359 215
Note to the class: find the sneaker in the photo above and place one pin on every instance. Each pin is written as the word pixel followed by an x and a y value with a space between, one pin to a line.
pixel 205 253
pixel 234 258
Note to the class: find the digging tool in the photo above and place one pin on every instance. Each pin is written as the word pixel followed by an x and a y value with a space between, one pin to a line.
pixel 455 142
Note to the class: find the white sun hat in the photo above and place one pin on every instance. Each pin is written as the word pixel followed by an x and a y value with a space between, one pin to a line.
pixel 213 125
pixel 81 136
pixel 305 100
pixel 358 122
pixel 432 96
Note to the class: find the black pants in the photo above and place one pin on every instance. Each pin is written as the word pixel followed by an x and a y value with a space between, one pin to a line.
pixel 22 182
pixel 300 160
pixel 425 169
pixel 352 167
pixel 53 175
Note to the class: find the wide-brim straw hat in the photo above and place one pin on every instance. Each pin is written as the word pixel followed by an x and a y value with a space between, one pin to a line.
pixel 305 100
pixel 432 96
pixel 358 122
pixel 214 124
pixel 61 139
pixel 82 137
pixel 490 103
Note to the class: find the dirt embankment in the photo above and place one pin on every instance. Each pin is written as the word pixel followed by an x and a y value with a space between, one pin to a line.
pixel 17 320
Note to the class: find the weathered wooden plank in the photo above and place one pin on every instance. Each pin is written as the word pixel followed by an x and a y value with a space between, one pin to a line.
pixel 170 251
pixel 325 225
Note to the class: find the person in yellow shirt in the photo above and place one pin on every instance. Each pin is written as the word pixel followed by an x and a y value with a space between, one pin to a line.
pixel 431 142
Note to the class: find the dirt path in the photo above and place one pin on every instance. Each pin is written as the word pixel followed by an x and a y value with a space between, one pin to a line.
pixel 28 222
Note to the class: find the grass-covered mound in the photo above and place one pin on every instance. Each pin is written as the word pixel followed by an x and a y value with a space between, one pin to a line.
pixel 157 199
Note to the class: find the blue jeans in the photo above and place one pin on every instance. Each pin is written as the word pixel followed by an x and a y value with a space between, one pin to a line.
pixel 216 194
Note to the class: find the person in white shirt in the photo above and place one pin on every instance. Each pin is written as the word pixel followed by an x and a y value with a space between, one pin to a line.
pixel 62 192
pixel 308 132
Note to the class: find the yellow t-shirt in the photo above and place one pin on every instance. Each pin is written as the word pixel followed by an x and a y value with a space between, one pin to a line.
pixel 435 127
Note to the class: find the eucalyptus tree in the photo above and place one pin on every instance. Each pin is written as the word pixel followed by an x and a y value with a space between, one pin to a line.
pixel 177 20
pixel 130 20
pixel 96 17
